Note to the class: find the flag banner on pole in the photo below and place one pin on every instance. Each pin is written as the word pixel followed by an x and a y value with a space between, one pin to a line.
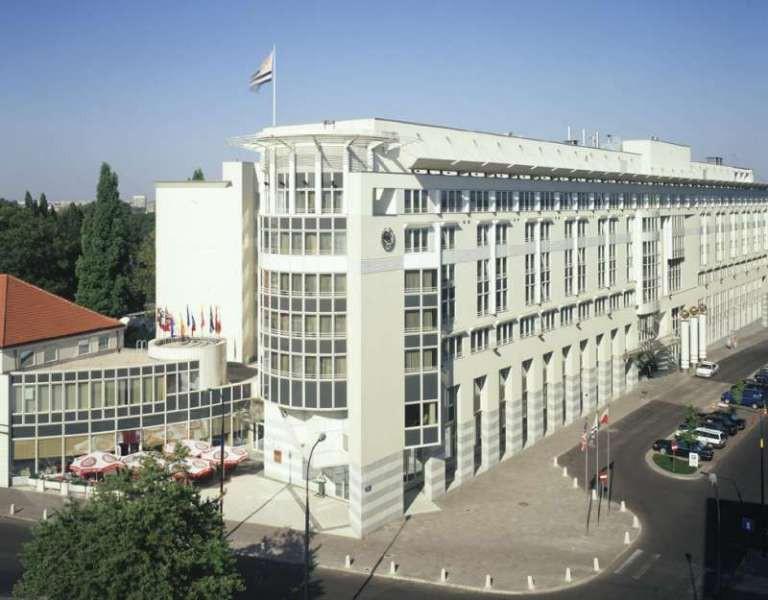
pixel 584 437
pixel 604 418
pixel 264 74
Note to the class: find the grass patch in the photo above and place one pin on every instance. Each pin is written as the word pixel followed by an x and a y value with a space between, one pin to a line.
pixel 680 465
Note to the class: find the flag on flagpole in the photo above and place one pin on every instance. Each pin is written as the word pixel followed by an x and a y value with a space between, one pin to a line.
pixel 604 417
pixel 202 320
pixel 211 324
pixel 264 74
pixel 194 325
pixel 188 322
pixel 584 437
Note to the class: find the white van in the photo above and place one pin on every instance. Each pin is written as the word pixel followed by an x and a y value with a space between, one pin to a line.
pixel 712 437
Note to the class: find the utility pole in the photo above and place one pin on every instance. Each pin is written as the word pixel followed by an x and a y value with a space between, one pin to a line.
pixel 764 527
pixel 320 438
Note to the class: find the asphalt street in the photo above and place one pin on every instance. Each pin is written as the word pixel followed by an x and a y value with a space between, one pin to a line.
pixel 666 562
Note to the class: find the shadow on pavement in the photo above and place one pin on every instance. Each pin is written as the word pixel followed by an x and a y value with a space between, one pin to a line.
pixel 265 579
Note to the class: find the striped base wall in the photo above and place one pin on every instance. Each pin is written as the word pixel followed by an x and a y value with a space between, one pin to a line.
pixel 555 407
pixel 490 436
pixel 604 382
pixel 465 451
pixel 589 381
pixel 375 493
pixel 535 416
pixel 514 427
pixel 434 477
pixel 572 394
pixel 618 376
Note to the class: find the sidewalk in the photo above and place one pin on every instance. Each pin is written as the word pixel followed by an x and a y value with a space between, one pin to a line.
pixel 521 518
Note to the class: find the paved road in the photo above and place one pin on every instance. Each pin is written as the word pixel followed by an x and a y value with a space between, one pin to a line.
pixel 666 562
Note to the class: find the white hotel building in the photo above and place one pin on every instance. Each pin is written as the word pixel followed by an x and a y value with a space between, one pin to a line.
pixel 436 299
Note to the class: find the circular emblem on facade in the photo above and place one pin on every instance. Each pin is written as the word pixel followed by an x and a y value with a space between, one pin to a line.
pixel 388 239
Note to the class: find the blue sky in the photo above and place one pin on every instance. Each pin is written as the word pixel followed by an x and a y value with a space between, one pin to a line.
pixel 155 88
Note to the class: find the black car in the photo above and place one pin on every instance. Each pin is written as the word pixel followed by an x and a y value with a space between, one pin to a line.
pixel 721 423
pixel 729 416
pixel 711 423
pixel 683 449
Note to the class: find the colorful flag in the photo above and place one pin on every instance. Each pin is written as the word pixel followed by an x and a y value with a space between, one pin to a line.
pixel 604 417
pixel 584 437
pixel 217 326
pixel 264 74
pixel 211 324
pixel 202 320
pixel 171 326
pixel 194 325
pixel 188 323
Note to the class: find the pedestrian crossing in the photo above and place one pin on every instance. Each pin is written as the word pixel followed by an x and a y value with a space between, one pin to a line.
pixel 637 564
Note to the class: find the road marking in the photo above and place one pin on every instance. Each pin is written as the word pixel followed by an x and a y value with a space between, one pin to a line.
pixel 644 569
pixel 634 556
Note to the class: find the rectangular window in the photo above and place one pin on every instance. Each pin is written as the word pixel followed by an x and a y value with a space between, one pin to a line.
pixel 415 201
pixel 479 339
pixel 417 239
pixel 504 333
pixel 566 315
pixel 501 285
pixel 447 238
pixel 83 347
pixel 483 287
pixel 482 234
pixel 452 347
pixel 103 342
pixel 548 320
pixel 479 201
pixel 528 326
pixel 451 201
pixel 447 292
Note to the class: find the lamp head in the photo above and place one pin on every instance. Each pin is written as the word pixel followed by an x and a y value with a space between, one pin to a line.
pixel 321 437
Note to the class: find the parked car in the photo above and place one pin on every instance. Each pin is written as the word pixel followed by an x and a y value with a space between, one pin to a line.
pixel 750 396
pixel 683 449
pixel 707 369
pixel 761 376
pixel 739 422
pixel 707 436
pixel 711 424
pixel 719 422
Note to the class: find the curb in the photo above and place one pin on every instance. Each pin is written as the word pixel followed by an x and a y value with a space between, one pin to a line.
pixel 649 461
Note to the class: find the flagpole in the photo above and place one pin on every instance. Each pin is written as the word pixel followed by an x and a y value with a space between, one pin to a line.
pixel 274 86
pixel 597 451
pixel 586 474
pixel 610 471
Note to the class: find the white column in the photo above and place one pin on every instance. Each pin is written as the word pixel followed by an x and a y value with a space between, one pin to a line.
pixel 702 337
pixel 492 267
pixel 694 341
pixel 685 344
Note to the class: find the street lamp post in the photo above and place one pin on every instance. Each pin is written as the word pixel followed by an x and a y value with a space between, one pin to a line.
pixel 320 438
pixel 713 481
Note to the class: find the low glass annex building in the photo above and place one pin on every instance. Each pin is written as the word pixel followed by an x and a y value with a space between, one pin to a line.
pixel 64 397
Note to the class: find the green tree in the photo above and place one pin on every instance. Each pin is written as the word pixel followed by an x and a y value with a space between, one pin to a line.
pixel 148 537
pixel 198 175
pixel 68 224
pixel 29 201
pixel 42 205
pixel 143 272
pixel 103 268
pixel 691 423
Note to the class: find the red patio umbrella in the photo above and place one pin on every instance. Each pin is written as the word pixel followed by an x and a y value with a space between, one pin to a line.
pixel 95 463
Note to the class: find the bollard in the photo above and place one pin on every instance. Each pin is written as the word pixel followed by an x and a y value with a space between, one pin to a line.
pixel 623 506
pixel 45 514
pixel 568 578
pixel 392 568
pixel 575 483
pixel 488 582
pixel 594 494
pixel 13 509
pixel 531 583
pixel 626 538
pixel 565 471
pixel 443 575
pixel 348 561
pixel 554 462
pixel 635 522
pixel 596 565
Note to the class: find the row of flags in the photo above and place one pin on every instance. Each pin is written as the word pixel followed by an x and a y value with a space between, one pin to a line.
pixel 190 325
pixel 590 434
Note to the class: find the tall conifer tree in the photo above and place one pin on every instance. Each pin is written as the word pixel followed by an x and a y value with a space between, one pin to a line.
pixel 103 268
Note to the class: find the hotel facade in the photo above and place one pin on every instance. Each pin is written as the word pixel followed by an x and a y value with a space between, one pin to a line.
pixel 434 300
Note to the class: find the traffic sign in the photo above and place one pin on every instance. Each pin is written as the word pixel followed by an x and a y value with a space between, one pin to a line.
pixel 674 446
pixel 693 460
pixel 604 476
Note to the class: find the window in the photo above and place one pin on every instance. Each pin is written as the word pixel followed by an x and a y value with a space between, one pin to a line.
pixel 103 342
pixel 26 358
pixel 412 360
pixel 584 310
pixel 569 272
pixel 600 304
pixel 582 257
pixel 482 234
pixel 451 201
pixel 333 183
pixel 544 286
pixel 478 201
pixel 83 346
pixel 615 302
pixel 483 287
pixel 527 201
pixel 504 333
pixel 305 192
pixel 50 354
pixel 528 326
pixel 547 201
pixel 447 292
pixel 548 320
pixel 417 239
pixel 448 238
pixel 530 278
pixel 452 347
pixel 501 284
pixel 415 201
pixel 566 315
pixel 501 234
pixel 504 201
pixel 479 339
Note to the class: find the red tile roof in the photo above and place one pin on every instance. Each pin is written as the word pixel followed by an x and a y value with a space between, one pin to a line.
pixel 29 314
